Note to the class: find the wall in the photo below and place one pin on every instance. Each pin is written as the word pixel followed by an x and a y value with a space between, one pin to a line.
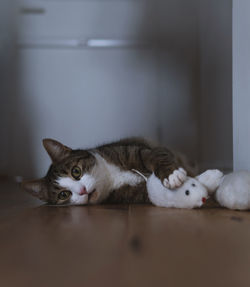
pixel 7 77
pixel 215 70
pixel 177 34
pixel 241 84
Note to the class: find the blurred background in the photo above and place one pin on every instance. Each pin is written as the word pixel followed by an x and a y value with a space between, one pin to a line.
pixel 87 72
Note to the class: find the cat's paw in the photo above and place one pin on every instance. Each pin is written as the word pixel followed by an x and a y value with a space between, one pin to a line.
pixel 176 179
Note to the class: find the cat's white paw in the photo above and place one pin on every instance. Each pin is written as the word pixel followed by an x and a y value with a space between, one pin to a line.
pixel 176 179
pixel 166 183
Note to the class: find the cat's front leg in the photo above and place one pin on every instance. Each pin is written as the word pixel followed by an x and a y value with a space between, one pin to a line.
pixel 175 179
pixel 166 167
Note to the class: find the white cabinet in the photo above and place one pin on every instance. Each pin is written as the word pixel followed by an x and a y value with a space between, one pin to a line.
pixel 86 96
pixel 119 19
pixel 94 71
pixel 74 88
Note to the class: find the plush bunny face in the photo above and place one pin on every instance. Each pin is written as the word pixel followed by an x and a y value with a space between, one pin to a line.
pixel 193 192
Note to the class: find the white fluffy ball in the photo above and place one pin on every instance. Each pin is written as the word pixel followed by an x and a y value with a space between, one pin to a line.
pixel 234 190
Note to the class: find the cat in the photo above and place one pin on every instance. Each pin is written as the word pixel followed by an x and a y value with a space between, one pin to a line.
pixel 105 173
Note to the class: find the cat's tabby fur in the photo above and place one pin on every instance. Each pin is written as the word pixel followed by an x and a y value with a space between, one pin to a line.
pixel 98 164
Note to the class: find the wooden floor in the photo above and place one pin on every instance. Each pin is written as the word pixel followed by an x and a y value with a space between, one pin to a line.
pixel 136 245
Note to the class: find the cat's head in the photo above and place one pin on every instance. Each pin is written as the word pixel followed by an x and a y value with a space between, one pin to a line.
pixel 70 178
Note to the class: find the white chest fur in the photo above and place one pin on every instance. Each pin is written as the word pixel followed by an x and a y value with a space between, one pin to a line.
pixel 117 177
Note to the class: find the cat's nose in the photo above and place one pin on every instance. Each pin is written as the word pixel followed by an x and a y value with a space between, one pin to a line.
pixel 83 190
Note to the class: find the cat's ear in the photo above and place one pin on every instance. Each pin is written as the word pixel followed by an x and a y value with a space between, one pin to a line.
pixel 56 150
pixel 36 187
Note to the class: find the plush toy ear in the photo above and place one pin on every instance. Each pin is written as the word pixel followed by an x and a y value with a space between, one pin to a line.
pixel 36 187
pixel 211 179
pixel 56 150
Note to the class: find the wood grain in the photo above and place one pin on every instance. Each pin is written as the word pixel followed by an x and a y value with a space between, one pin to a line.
pixel 120 245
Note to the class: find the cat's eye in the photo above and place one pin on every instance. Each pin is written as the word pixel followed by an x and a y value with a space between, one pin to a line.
pixel 63 195
pixel 76 172
pixel 187 192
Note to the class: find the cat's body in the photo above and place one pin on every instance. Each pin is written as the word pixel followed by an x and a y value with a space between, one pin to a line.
pixel 104 173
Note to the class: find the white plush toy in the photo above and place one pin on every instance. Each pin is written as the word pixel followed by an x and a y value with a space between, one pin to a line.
pixel 192 193
pixel 231 190
pixel 234 190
